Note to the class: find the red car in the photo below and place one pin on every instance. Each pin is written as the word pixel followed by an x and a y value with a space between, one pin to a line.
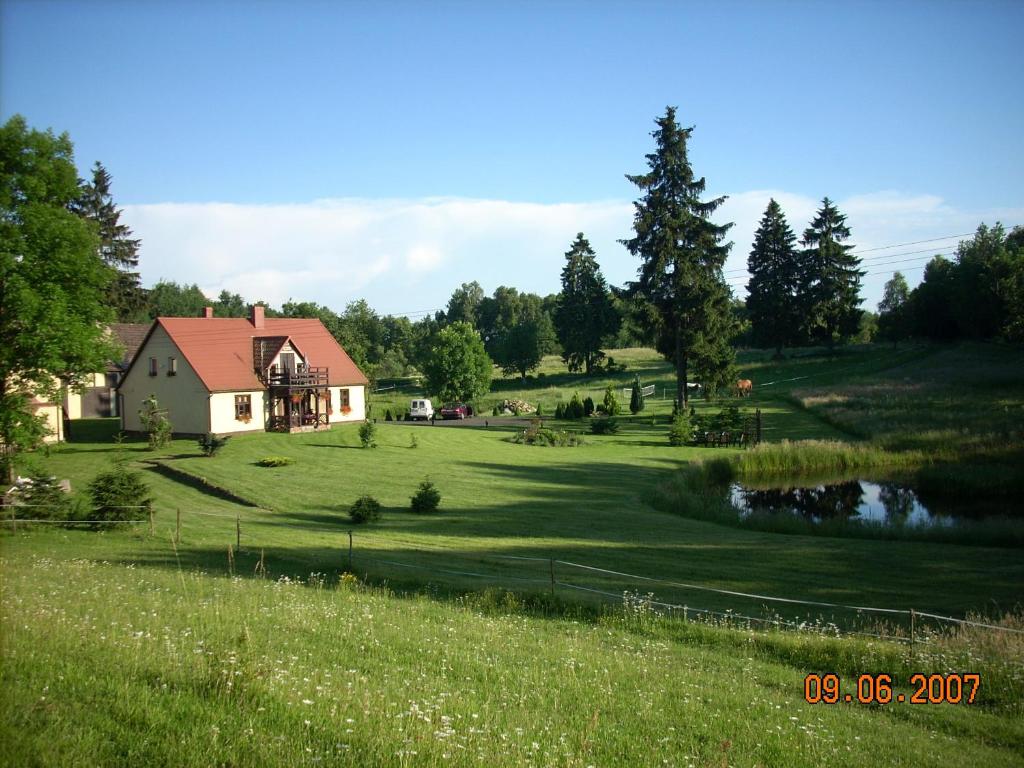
pixel 455 411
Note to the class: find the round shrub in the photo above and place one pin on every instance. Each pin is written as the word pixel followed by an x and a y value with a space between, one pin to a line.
pixel 366 509
pixel 426 499
pixel 604 426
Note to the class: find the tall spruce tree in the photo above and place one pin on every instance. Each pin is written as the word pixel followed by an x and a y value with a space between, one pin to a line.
pixel 118 249
pixel 830 279
pixel 682 254
pixel 774 279
pixel 584 315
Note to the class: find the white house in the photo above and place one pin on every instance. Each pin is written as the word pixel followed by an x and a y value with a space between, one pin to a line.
pixel 229 375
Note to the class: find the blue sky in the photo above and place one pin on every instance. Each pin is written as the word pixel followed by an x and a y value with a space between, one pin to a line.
pixel 392 150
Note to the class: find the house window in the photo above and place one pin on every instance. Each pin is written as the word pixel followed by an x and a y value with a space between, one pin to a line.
pixel 152 366
pixel 346 408
pixel 243 408
pixel 172 366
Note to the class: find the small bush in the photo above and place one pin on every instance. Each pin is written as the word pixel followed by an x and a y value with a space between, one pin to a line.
pixel 604 426
pixel 366 509
pixel 681 430
pixel 210 444
pixel 368 434
pixel 387 415
pixel 155 422
pixel 275 461
pixel 575 409
pixel 426 499
pixel 560 411
pixel 540 410
pixel 119 495
pixel 588 406
pixel 611 403
pixel 42 499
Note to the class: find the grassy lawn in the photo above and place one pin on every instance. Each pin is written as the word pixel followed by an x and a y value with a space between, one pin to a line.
pixel 110 664
pixel 114 634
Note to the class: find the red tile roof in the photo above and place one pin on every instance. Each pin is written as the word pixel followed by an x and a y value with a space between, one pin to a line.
pixel 219 349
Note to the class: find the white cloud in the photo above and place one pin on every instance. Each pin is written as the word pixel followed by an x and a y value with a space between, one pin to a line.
pixel 409 255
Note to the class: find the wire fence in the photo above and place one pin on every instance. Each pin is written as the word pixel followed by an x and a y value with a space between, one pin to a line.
pixel 558 576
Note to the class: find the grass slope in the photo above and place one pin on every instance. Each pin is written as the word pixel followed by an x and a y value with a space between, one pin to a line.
pixel 110 664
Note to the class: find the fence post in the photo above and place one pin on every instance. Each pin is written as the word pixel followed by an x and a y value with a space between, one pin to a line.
pixel 552 562
pixel 150 521
pixel 177 528
pixel 238 532
pixel 350 551
pixel 913 622
pixel 758 438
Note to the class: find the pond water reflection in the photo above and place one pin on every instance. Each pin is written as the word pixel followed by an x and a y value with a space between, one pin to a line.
pixel 882 502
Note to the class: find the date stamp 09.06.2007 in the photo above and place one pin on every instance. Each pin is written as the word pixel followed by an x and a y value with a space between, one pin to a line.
pixel 828 688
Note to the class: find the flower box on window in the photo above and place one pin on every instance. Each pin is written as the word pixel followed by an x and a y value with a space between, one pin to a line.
pixel 346 409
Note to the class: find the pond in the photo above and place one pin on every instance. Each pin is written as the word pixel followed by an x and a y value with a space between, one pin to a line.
pixel 879 502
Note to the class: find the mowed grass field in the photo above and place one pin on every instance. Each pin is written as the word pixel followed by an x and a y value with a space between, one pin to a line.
pixel 122 647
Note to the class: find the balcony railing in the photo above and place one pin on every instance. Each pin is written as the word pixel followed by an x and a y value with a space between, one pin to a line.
pixel 303 377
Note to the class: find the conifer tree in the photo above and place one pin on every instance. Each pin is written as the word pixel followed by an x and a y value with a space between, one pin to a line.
pixel 584 315
pixel 830 278
pixel 118 249
pixel 774 279
pixel 682 255
pixel 636 398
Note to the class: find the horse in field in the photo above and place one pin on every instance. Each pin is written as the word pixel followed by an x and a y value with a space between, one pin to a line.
pixel 744 388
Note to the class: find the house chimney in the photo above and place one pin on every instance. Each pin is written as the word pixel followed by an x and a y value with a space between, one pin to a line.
pixel 257 316
pixel 207 312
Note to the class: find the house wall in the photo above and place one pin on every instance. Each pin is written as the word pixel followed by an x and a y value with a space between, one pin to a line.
pixel 97 381
pixel 54 420
pixel 183 395
pixel 356 400
pixel 222 413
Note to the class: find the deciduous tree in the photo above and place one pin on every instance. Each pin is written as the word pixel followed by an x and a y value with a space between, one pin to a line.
pixel 682 255
pixel 894 309
pixel 458 367
pixel 53 283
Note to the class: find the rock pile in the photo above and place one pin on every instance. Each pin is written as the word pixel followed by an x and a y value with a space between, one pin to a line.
pixel 514 406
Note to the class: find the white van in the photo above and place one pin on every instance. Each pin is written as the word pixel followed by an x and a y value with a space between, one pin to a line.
pixel 421 409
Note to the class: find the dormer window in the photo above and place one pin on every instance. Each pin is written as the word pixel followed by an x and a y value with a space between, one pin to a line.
pixel 172 366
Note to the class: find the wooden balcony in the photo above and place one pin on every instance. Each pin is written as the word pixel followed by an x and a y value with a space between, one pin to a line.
pixel 311 376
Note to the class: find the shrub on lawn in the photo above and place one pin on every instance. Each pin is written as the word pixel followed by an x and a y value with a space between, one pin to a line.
pixel 41 498
pixel 681 430
pixel 210 444
pixel 119 495
pixel 611 403
pixel 426 499
pixel 275 461
pixel 575 409
pixel 368 434
pixel 604 426
pixel 588 406
pixel 155 423
pixel 388 416
pixel 366 509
